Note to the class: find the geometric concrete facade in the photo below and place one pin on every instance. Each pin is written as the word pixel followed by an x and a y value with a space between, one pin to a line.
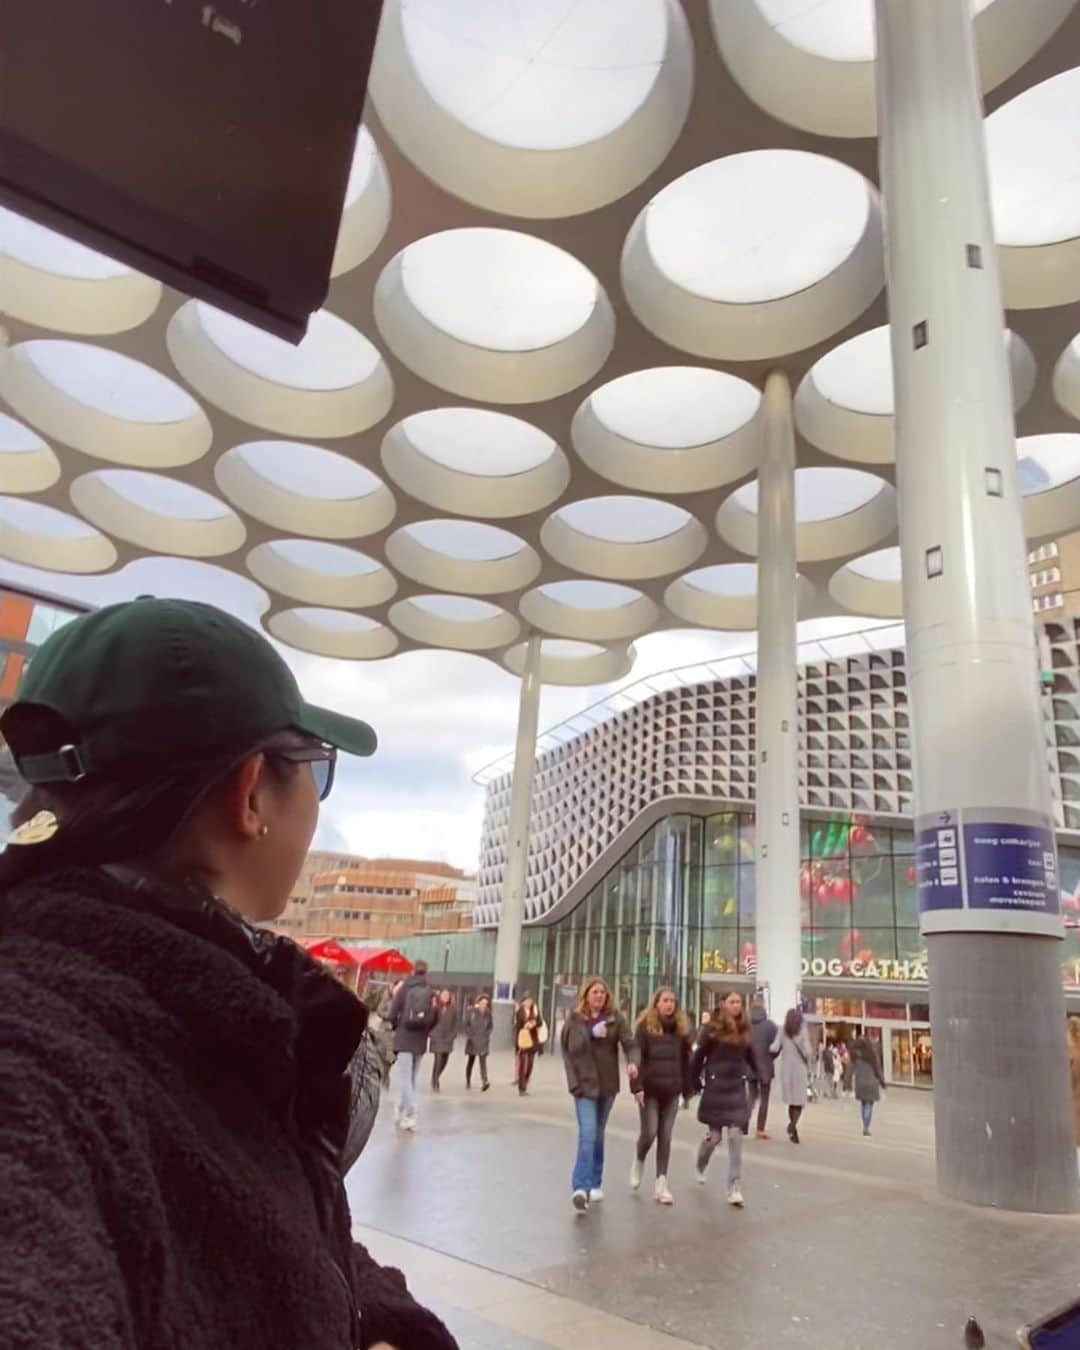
pixel 592 795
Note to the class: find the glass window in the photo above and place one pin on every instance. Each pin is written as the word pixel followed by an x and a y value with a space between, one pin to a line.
pixel 903 841
pixel 829 838
pixel 721 838
pixel 906 894
pixel 910 945
pixel 870 947
pixel 719 951
pixel 719 897
pixel 866 840
pixel 747 838
pixel 872 890
pixel 747 951
pixel 831 890
pixel 747 896
pixel 919 1012
pixel 828 945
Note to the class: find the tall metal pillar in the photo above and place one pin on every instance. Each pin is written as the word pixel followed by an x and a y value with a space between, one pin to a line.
pixel 778 939
pixel 986 856
pixel 508 940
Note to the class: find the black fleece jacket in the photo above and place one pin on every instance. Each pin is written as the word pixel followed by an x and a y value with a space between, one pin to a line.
pixel 172 1108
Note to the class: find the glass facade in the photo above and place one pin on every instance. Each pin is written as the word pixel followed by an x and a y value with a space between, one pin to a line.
pixel 680 909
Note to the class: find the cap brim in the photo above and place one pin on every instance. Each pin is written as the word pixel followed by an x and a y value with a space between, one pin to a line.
pixel 347 733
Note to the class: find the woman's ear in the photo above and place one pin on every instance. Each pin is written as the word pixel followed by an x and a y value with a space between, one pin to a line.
pixel 243 787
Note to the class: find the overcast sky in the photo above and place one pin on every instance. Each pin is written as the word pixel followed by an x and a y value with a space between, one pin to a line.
pixel 440 715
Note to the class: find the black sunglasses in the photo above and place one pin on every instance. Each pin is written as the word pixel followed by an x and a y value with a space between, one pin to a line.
pixel 321 758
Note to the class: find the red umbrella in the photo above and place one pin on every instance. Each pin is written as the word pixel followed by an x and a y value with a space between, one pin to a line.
pixel 384 960
pixel 329 950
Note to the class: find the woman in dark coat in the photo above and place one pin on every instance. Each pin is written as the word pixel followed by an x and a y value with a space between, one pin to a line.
pixel 590 1042
pixel 443 1035
pixel 663 1037
pixel 478 1024
pixel 868 1077
pixel 722 1063
pixel 174 1089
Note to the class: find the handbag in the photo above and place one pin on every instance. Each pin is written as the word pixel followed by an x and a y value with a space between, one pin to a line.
pixel 542 1033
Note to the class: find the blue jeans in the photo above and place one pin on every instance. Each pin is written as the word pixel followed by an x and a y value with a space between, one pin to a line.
pixel 867 1113
pixel 592 1119
pixel 405 1067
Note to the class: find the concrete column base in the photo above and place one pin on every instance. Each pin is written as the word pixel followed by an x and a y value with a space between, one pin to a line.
pixel 502 1030
pixel 1002 1114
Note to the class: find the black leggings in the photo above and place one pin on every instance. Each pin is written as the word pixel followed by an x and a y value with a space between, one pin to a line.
pixel 525 1061
pixel 441 1057
pixel 793 1114
pixel 657 1124
pixel 470 1060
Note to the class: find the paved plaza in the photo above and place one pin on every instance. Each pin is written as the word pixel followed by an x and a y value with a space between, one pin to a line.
pixel 843 1242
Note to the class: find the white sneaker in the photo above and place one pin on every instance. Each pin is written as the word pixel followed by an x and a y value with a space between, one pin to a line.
pixel 663 1192
pixel 409 1123
pixel 735 1197
pixel 635 1175
pixel 700 1174
pixel 595 1195
pixel 580 1201
pixel 397 1114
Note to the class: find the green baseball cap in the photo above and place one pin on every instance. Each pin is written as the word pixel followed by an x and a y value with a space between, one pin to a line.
pixel 163 680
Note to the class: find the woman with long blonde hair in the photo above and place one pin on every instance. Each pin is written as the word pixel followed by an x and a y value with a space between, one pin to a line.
pixel 663 1037
pixel 590 1040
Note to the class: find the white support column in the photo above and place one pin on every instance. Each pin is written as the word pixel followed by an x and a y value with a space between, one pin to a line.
pixel 986 855
pixel 508 940
pixel 778 940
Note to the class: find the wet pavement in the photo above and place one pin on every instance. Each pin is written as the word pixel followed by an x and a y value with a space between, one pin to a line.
pixel 843 1242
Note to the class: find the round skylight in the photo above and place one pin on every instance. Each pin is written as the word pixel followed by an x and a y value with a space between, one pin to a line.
pixel 589 595
pixel 109 382
pixel 457 608
pixel 477 441
pixel 165 496
pixel 305 489
pixel 589 609
pixel 881 565
pixel 308 470
pixel 1046 462
pixel 821 493
pixel 624 520
pixel 331 559
pixel 39 247
pixel 675 407
pixel 366 214
pixel 731 579
pixel 477 91
pixel 858 373
pixel 332 632
pixel 321 574
pixel 463 555
pixel 457 622
pixel 37 535
pixel 1034 158
pixel 156 513
pixel 499 289
pixel 38 518
pixel 333 355
pixel 27 464
pixel 757 226
pixel 465 539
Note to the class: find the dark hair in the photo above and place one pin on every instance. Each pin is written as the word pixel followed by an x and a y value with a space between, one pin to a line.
pixel 127 815
pixel 420 968
pixel 725 1026
pixel 793 1023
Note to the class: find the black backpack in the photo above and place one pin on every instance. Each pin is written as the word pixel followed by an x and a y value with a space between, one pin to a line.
pixel 420 1013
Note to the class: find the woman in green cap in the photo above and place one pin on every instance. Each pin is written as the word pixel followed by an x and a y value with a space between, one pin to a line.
pixel 174 1082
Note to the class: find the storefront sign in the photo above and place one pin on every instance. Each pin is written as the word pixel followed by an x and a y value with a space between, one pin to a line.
pixel 900 971
pixel 987 871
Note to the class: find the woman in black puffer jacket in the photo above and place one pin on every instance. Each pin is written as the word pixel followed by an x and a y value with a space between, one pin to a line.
pixel 663 1037
pixel 722 1063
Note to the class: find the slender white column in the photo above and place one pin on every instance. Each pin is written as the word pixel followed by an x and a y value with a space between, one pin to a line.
pixel 778 942
pixel 986 854
pixel 508 940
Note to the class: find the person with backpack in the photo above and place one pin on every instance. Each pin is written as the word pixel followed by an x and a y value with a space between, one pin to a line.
pixel 413 1014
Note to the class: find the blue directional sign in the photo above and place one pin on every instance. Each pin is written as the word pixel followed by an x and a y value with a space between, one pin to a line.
pixel 1011 867
pixel 938 863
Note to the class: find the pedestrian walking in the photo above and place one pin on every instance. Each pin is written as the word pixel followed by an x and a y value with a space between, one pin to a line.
pixel 663 1039
pixel 868 1079
pixel 593 1033
pixel 719 1070
pixel 443 1034
pixel 828 1069
pixel 848 1069
pixel 1074 1075
pixel 763 1032
pixel 173 1071
pixel 413 1014
pixel 793 1047
pixel 478 1025
pixel 529 1026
